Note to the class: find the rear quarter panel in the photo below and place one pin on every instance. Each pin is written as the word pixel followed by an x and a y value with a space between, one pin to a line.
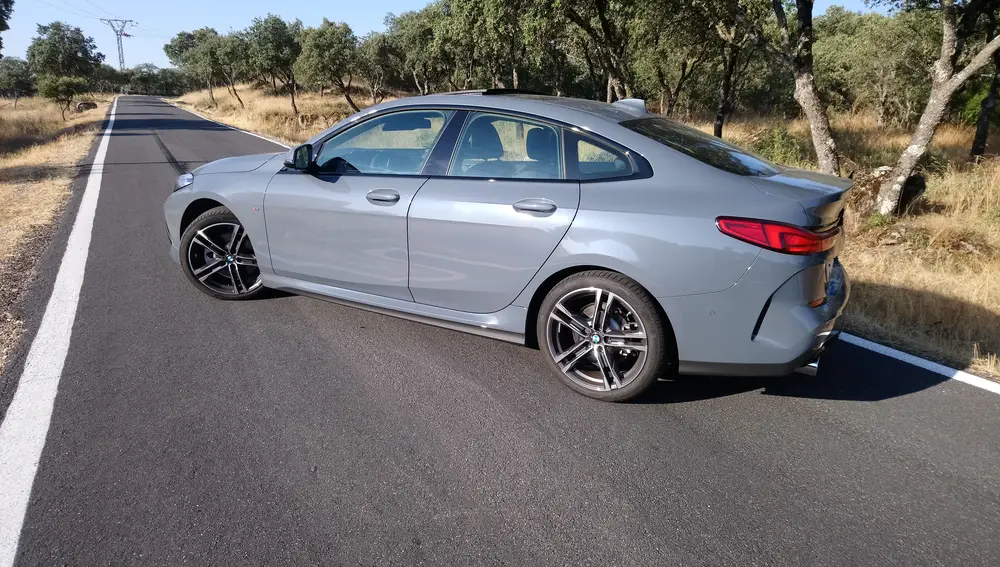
pixel 661 231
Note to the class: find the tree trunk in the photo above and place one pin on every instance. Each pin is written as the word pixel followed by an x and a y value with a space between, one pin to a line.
pixel 722 108
pixel 211 94
pixel 291 91
pixel 986 107
pixel 611 90
pixel 64 109
pixel 514 79
pixel 807 96
pixel 892 188
pixel 274 84
pixel 16 96
pixel 346 91
pixel 237 95
pixel 945 82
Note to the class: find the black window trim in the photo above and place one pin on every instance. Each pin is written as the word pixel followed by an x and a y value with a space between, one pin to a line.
pixel 596 141
pixel 641 169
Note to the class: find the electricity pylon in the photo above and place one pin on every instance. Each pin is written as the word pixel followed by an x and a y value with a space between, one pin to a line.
pixel 119 27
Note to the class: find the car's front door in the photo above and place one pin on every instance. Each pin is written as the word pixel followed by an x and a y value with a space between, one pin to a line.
pixel 479 234
pixel 345 224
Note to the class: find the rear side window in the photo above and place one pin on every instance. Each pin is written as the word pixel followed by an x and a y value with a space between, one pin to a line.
pixel 587 158
pixel 507 147
pixel 701 146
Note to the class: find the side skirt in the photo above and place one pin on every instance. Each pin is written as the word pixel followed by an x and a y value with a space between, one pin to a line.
pixel 498 325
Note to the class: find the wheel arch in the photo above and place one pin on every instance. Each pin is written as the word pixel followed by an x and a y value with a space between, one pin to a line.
pixel 195 209
pixel 530 333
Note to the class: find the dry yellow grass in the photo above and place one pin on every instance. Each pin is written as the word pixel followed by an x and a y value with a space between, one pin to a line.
pixel 271 115
pixel 38 157
pixel 928 283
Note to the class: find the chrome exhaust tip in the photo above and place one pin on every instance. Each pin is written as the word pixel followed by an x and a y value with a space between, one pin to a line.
pixel 810 369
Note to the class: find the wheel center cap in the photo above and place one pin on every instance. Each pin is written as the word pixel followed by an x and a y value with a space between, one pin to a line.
pixel 595 338
pixel 229 259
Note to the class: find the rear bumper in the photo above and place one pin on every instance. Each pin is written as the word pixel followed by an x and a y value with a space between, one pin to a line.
pixel 789 334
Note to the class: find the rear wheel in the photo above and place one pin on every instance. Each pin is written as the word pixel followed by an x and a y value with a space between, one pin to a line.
pixel 218 257
pixel 602 335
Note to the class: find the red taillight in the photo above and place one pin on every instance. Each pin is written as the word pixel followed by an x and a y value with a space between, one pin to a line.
pixel 778 237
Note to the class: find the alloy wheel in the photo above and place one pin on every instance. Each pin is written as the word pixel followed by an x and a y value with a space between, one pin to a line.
pixel 596 339
pixel 222 259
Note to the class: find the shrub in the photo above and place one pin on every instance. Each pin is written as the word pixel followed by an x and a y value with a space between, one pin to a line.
pixel 777 145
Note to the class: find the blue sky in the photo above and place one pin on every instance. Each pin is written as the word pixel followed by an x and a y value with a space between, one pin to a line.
pixel 159 21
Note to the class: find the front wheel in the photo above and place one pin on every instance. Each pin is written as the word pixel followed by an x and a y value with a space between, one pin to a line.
pixel 603 336
pixel 218 257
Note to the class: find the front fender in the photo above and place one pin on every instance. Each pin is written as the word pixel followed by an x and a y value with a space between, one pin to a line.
pixel 241 193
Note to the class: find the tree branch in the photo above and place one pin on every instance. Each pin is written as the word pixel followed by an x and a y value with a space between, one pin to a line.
pixel 984 56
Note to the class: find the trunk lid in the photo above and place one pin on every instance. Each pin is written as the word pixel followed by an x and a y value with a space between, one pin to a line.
pixel 822 196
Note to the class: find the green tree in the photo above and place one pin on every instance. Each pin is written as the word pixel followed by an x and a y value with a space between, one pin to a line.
pixel 106 78
pixel 876 62
pixel 673 44
pixel 63 51
pixel 959 20
pixel 6 7
pixel 413 35
pixel 273 47
pixel 377 62
pixel 16 77
pixel 609 25
pixel 62 90
pixel 329 56
pixel 490 33
pixel 231 57
pixel 197 53
pixel 789 45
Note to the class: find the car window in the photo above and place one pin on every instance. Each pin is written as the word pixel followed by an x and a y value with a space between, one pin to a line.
pixel 591 159
pixel 395 144
pixel 701 146
pixel 506 147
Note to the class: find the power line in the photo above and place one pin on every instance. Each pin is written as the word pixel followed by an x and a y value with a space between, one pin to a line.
pixel 99 8
pixel 75 7
pixel 119 27
pixel 77 14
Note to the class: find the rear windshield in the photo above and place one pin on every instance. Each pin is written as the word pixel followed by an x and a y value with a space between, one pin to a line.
pixel 701 146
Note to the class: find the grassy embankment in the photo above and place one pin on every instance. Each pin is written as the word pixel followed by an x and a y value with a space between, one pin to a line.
pixel 39 153
pixel 928 283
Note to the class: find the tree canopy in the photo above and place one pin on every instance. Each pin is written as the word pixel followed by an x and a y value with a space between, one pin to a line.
pixel 62 50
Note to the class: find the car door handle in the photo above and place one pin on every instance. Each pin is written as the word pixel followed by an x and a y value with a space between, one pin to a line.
pixel 537 206
pixel 383 196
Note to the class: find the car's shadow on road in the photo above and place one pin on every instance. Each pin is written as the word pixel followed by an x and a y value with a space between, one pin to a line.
pixel 847 372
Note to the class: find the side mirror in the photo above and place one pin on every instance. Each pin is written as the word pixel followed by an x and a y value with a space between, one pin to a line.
pixel 300 158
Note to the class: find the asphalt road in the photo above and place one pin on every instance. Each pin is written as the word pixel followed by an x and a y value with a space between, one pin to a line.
pixel 293 431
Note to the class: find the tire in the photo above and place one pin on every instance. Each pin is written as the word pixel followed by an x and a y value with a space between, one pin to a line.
pixel 218 258
pixel 610 366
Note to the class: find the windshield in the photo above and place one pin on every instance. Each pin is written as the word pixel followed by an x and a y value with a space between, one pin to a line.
pixel 701 146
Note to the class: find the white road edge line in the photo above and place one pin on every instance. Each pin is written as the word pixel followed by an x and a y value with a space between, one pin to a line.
pixel 960 375
pixel 954 374
pixel 23 431
pixel 203 117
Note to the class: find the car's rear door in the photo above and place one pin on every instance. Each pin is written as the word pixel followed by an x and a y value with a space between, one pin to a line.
pixel 345 224
pixel 479 233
